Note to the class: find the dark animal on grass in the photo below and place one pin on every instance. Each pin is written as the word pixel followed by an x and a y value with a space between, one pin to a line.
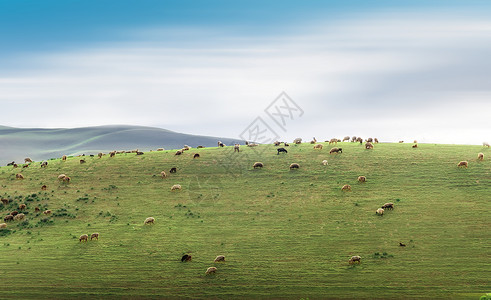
pixel 402 245
pixel 258 165
pixel 11 163
pixel 281 150
pixel 294 166
pixel 22 207
pixel 5 201
pixel 14 213
pixel 186 258
pixel 277 143
pixel 63 158
pixel 236 148
pixel 346 138
pixel 44 164
pixel 82 161
pixel 463 164
pixel 336 150
pixel 286 144
pixel 139 153
pixel 415 146
pixel 173 170
pixel 44 187
pixel 25 166
pixel 196 155
pixel 388 205
pixel 8 218
pixel 83 237
pixel 178 152
pixel 94 236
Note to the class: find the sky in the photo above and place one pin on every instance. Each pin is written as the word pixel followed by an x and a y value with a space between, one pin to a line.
pixel 396 70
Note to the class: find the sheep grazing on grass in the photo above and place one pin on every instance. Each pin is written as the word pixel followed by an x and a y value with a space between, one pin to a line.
pixel 160 149
pixel 362 178
pixel 294 166
pixel 27 160
pixel 375 140
pixel 14 213
pixel 63 158
pixel 336 150
pixel 186 148
pixel 112 153
pixel 37 209
pixel 8 218
pixel 25 166
pixel 297 141
pixel 236 148
pixel 359 140
pixel 258 165
pixel 369 145
pixel 149 220
pixel 173 170
pixel 19 217
pixel 22 207
pixel 3 225
pixel 100 154
pixel 219 258
pixel 44 188
pixel 11 163
pixel 196 155
pixel 61 176
pixel 401 142
pixel 370 140
pixel 346 188
pixel 211 270
pixel 83 237
pixel 485 144
pixel 66 179
pixel 186 258
pixel 402 245
pixel 252 145
pixel 286 144
pixel 5 201
pixel 313 141
pixel 480 156
pixel 162 174
pixel 283 150
pixel 318 146
pixel 415 142
pixel 463 164
pixel 388 205
pixel 354 259
pixel 176 187
pixel 19 176
pixel 178 152
pixel 15 165
pixel 47 212
pixel 44 164
pixel 94 236
pixel 346 138
pixel 277 143
pixel 324 162
pixel 333 141
pixel 199 147
pixel 415 146
pixel 82 161
pixel 379 211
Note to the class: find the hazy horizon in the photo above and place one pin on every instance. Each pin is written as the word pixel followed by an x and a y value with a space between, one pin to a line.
pixel 397 71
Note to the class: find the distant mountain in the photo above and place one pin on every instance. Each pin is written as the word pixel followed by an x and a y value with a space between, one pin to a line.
pixel 41 144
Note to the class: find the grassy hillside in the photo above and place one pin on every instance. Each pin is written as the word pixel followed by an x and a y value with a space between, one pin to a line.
pixel 40 144
pixel 285 234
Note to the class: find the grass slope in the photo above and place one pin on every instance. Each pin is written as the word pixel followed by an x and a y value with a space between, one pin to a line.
pixel 285 234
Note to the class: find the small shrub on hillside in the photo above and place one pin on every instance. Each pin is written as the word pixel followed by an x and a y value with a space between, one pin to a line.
pixel 5 232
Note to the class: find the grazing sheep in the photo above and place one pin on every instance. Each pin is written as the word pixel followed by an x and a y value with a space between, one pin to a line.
pixel 252 145
pixel 176 187
pixel 5 201
pixel 313 141
pixel 19 217
pixel 354 259
pixel 82 161
pixel 359 140
pixel 369 145
pixel 186 148
pixel 415 142
pixel 61 176
pixel 402 245
pixel 22 207
pixel 346 188
pixel 211 270
pixel 173 170
pixel 160 149
pixel 485 144
pixel 112 153
pixel 375 140
pixel 369 140
pixel 258 165
pixel 100 154
pixel 163 174
pixel 236 148
pixel 47 212
pixel 318 146
pixel 286 144
pixel 83 237
pixel 283 150
pixel 15 165
pixel 297 141
pixel 139 153
pixel 186 258
pixel 480 156
pixel 277 143
pixel 219 258
pixel 44 187
pixel 178 152
pixel 388 205
pixel 66 179
pixel 94 236
pixel 63 158
pixel 333 141
pixel 8 218
pixel 19 176
pixel 362 178
pixel 199 147
pixel 415 146
pixel 220 144
pixel 324 162
pixel 294 166
pixel 401 142
pixel 3 225
pixel 149 220
pixel 196 155
pixel 27 160
pixel 11 163
pixel 44 164
pixel 14 213
pixel 25 166
pixel 463 164
pixel 336 150
pixel 346 138
pixel 36 209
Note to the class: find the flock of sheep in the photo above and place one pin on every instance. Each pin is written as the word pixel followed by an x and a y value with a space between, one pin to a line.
pixel 369 144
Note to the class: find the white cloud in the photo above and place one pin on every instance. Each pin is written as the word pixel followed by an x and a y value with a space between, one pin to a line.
pixel 378 76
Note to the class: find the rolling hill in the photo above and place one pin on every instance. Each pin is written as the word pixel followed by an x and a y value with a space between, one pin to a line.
pixel 41 144
pixel 285 233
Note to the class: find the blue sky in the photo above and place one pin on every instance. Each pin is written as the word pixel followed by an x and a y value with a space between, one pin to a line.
pixel 403 67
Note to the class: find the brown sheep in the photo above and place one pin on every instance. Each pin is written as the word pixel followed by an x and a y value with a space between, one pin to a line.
pixel 219 258
pixel 82 161
pixel 14 213
pixel 176 187
pixel 44 164
pixel 258 165
pixel 47 212
pixel 353 139
pixel 463 164
pixel 370 140
pixel 94 236
pixel 401 142
pixel 336 150
pixel 8 218
pixel 36 209
pixel 66 179
pixel 369 145
pixel 294 166
pixel 19 217
pixel 196 155
pixel 22 207
pixel 160 149
pixel 415 142
pixel 163 174
pixel 15 165
pixel 61 176
pixel 346 188
pixel 379 211
pixel 44 188
pixel 27 160
pixel 3 225
pixel 199 147
pixel 375 140
pixel 480 156
pixel 112 153
pixel 178 152
pixel 333 141
pixel 63 158
pixel 354 259
pixel 149 220
pixel 186 258
pixel 415 146
pixel 83 237
pixel 25 166
pixel 388 205
pixel 173 170
pixel 237 148
pixel 318 146
pixel 362 178
pixel 297 141
pixel 5 201
pixel 19 176
pixel 211 270
pixel 100 154
pixel 346 138
pixel 277 143
pixel 139 153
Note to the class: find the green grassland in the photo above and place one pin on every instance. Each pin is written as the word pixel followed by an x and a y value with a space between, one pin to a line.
pixel 285 234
